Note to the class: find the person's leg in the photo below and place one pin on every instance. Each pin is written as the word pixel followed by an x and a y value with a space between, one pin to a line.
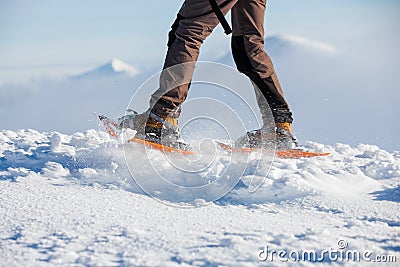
pixel 251 58
pixel 194 24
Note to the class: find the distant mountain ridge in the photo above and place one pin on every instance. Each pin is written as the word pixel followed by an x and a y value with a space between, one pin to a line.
pixel 276 46
pixel 291 46
pixel 112 68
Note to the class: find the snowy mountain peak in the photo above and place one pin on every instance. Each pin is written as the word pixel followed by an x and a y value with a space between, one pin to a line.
pixel 120 66
pixel 112 68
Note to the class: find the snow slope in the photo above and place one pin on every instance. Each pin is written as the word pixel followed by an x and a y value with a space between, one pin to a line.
pixel 69 200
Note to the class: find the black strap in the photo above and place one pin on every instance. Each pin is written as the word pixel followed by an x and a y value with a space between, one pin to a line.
pixel 220 17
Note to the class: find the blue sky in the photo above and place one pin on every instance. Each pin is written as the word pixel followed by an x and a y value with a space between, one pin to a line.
pixel 76 32
pixel 357 91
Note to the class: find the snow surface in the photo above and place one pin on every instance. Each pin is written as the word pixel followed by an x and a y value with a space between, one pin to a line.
pixel 69 200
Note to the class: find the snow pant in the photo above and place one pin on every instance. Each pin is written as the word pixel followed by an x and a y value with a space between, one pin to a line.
pixel 194 23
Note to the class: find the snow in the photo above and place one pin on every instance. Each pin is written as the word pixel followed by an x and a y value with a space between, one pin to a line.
pixel 70 200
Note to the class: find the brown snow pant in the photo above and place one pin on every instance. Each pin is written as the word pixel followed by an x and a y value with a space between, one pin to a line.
pixel 194 24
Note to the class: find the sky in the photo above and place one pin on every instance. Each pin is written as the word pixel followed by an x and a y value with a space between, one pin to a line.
pixel 46 40
pixel 76 34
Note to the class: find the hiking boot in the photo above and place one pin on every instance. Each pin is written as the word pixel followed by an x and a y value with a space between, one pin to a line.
pixel 165 131
pixel 285 138
pixel 153 128
pixel 133 120
pixel 279 137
